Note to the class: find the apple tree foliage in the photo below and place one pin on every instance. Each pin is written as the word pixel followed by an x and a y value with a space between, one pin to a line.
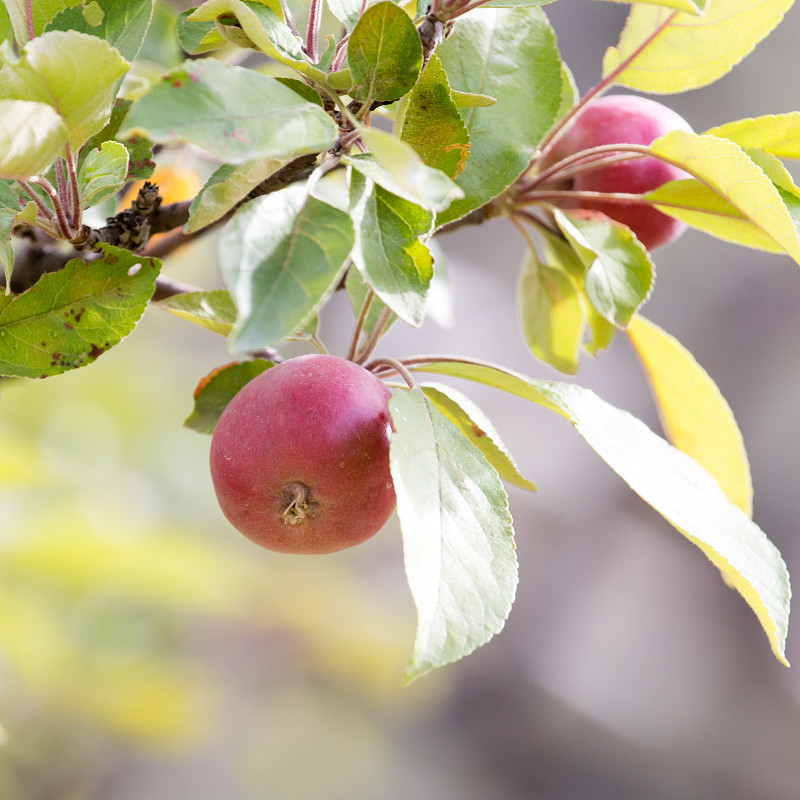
pixel 335 156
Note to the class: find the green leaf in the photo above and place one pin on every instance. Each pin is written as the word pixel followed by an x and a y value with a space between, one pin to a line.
pixel 102 172
pixel 32 135
pixel 432 124
pixel 665 51
pixel 551 314
pixel 670 481
pixel 620 273
pixel 214 310
pixel 9 209
pixel 778 134
pixel 469 100
pixel 217 389
pixel 384 53
pixel 510 55
pixel 123 24
pixel 457 534
pixel 93 13
pixel 43 12
pixel 396 167
pixel 72 316
pixel 387 249
pixel 198 37
pixel 236 114
pixel 227 186
pixel 6 29
pixel 262 28
pixel 729 171
pixel 348 11
pixel 74 73
pixel 281 256
pixel 477 427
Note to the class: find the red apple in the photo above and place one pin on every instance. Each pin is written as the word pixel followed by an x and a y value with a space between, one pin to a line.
pixel 300 456
pixel 625 119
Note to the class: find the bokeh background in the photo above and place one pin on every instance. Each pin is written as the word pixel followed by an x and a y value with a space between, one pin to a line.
pixel 148 651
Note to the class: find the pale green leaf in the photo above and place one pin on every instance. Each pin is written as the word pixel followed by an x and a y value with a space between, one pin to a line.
pixel 43 12
pixel 236 114
pixel 550 313
pixel 74 73
pixel 674 484
pixel 384 53
pixel 348 11
pixel 32 135
pixel 214 310
pixel 396 167
pixel 620 273
pixel 778 134
pixel 262 27
pixel 196 37
pixel 666 51
pixel 388 252
pixel 281 256
pixel 457 534
pixel 469 100
pixel 510 55
pixel 432 124
pixel 102 173
pixel 123 23
pixel 71 317
pixel 728 170
pixel 478 428
pixel 227 186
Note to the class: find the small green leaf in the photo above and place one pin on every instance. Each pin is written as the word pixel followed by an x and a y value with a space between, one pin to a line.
pixel 281 256
pixel 387 249
pixel 217 389
pixel 236 114
pixel 432 124
pixel 122 23
pixel 74 73
pixel 511 55
pixel 397 167
pixel 43 12
pixel 102 173
pixel 227 186
pixel 384 53
pixel 72 316
pixel 262 27
pixel 469 100
pixel 663 51
pixel 32 135
pixel 477 427
pixel 9 210
pixel 214 310
pixel 198 37
pixel 457 534
pixel 620 273
pixel 550 313
pixel 778 134
pixel 93 13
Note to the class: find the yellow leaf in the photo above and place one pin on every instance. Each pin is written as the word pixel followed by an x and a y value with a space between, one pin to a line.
pixel 778 134
pixel 726 168
pixel 666 51
pixel 690 6
pixel 695 416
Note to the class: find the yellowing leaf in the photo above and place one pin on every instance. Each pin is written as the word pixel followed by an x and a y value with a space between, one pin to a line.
pixel 727 169
pixel 666 51
pixel 690 6
pixel 695 416
pixel 778 134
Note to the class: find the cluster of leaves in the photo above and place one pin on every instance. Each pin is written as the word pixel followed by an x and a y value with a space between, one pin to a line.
pixel 469 99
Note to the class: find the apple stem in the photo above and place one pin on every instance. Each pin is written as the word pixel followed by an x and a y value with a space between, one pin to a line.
pixel 374 337
pixel 391 365
pixel 362 318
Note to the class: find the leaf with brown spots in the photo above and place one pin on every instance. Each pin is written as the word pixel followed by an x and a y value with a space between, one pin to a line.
pixel 71 317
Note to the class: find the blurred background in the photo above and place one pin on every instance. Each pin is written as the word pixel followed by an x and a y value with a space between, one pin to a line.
pixel 148 651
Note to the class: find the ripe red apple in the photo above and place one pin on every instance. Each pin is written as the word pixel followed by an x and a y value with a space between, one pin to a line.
pixel 300 456
pixel 625 119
